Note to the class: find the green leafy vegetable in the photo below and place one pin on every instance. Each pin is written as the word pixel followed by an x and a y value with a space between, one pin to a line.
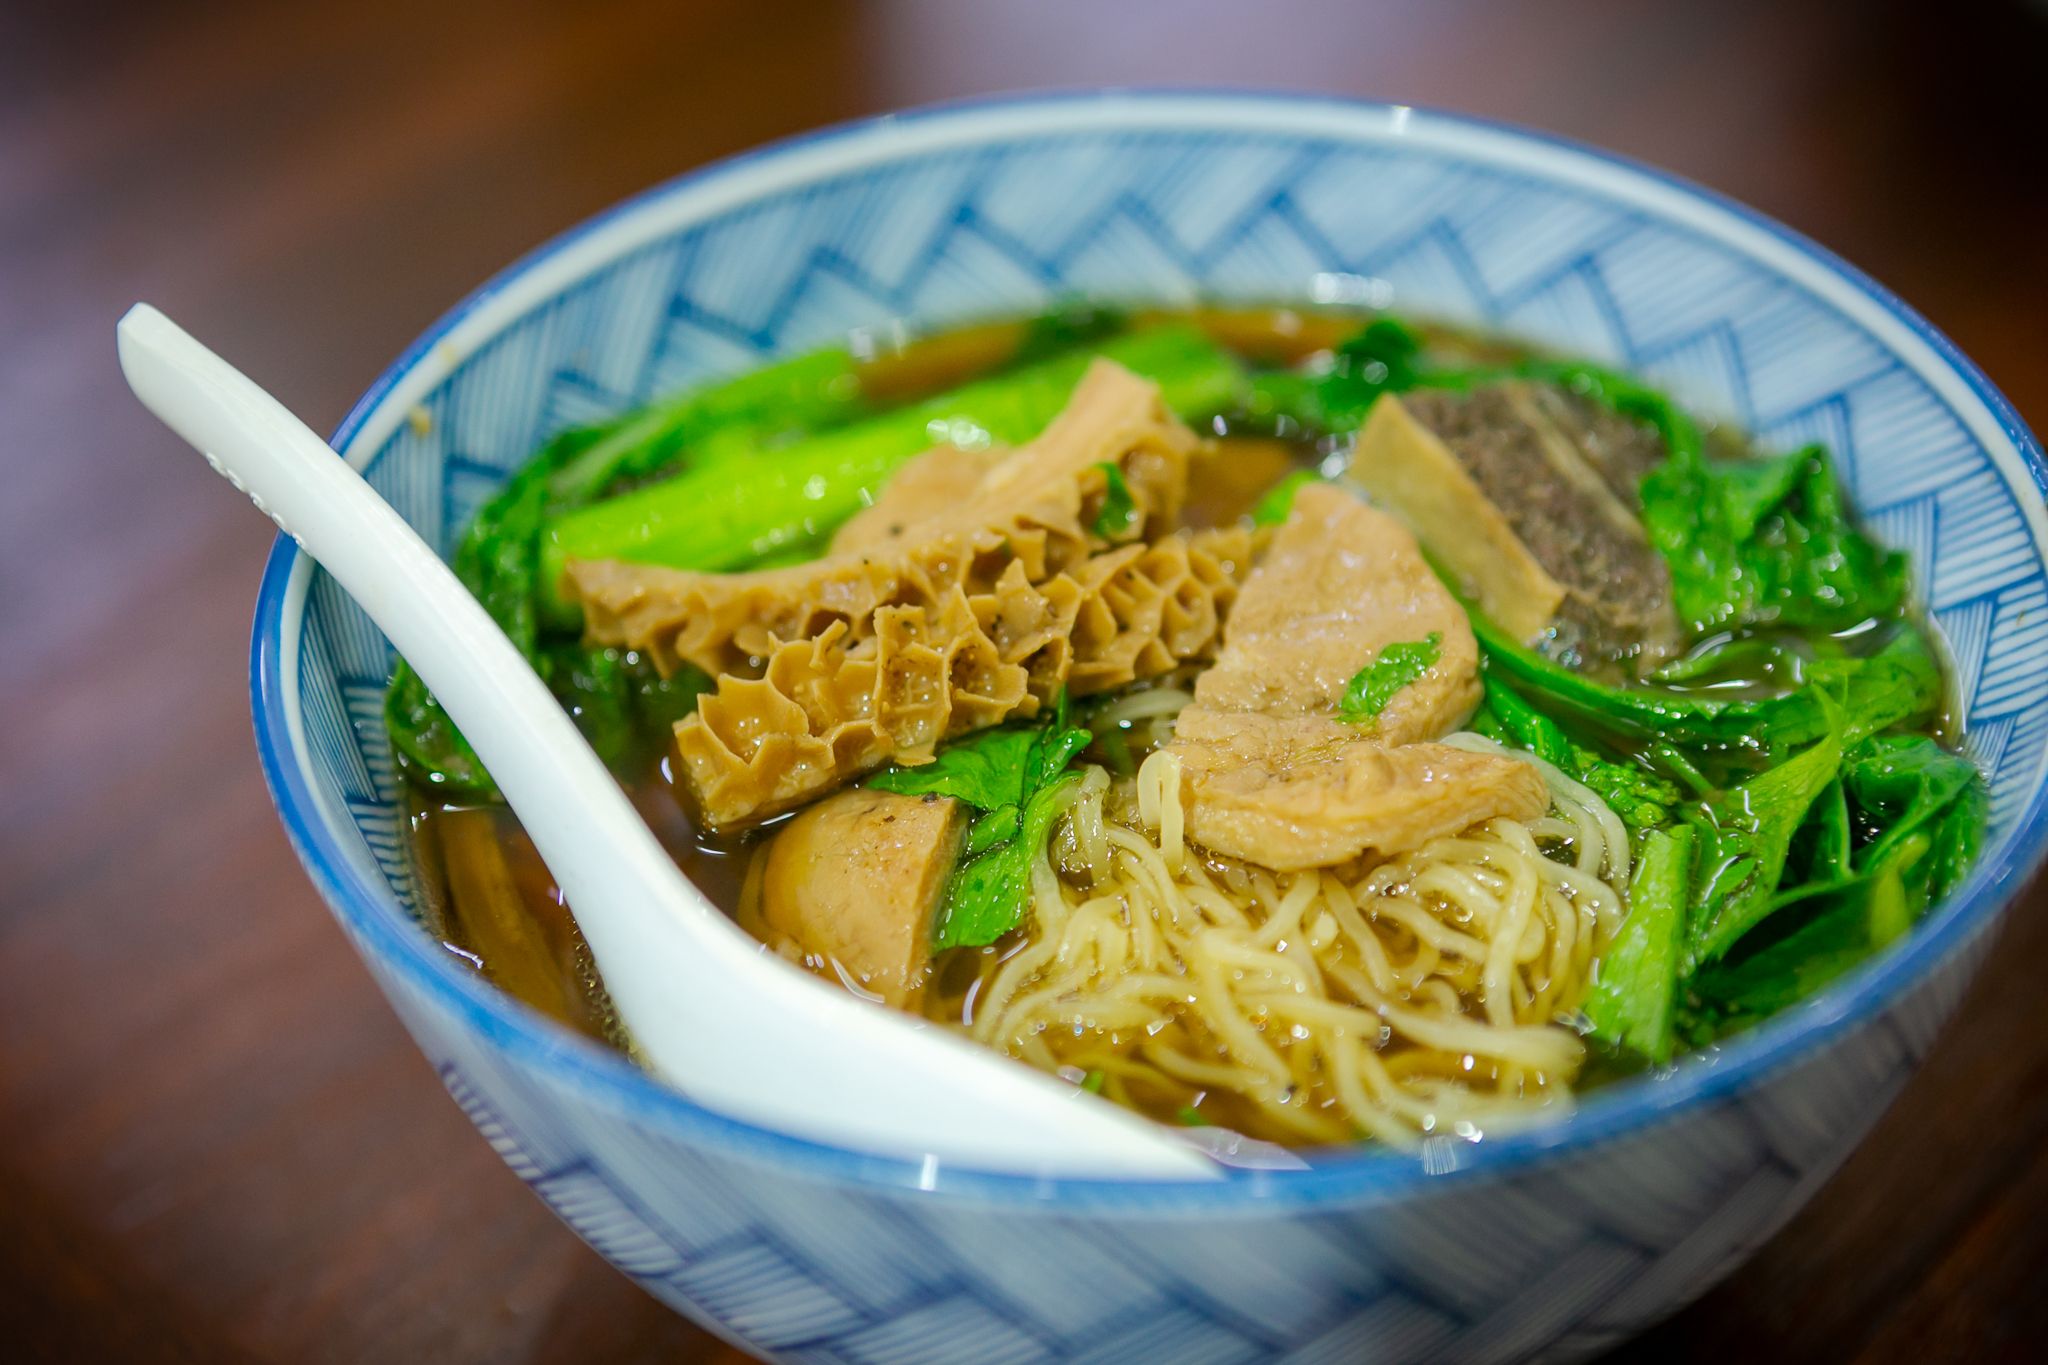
pixel 428 747
pixel 988 894
pixel 1903 783
pixel 1868 917
pixel 1389 356
pixel 1690 719
pixel 1277 503
pixel 1385 356
pixel 1956 839
pixel 1118 514
pixel 1747 658
pixel 623 706
pixel 1924 812
pixel 727 512
pixel 1897 684
pixel 988 770
pixel 1767 539
pixel 1627 396
pixel 1013 775
pixel 1818 860
pixel 1632 1003
pixel 1398 665
pixel 1744 841
pixel 1642 799
pixel 593 686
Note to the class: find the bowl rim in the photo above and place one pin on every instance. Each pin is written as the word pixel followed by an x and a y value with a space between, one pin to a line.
pixel 1338 1176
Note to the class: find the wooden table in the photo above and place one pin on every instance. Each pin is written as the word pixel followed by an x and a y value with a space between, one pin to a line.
pixel 215 1143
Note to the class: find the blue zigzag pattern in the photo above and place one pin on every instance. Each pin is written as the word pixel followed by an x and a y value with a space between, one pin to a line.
pixel 840 1275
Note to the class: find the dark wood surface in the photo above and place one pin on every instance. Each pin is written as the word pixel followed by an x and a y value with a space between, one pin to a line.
pixel 215 1142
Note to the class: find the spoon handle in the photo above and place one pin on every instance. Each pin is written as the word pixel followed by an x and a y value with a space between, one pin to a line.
pixel 738 1030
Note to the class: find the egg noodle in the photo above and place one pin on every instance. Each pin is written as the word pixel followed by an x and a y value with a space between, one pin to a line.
pixel 1429 993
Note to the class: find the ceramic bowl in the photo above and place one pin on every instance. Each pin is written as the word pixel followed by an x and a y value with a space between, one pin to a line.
pixel 1558 1240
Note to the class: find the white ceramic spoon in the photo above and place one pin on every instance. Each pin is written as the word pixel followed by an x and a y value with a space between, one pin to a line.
pixel 735 1028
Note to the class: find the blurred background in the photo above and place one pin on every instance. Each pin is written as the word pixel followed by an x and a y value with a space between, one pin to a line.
pixel 215 1143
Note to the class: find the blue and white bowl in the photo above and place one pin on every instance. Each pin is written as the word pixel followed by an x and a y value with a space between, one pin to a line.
pixel 1558 1240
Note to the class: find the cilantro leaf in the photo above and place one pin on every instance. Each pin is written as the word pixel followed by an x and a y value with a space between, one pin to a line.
pixel 1118 513
pixel 1399 664
pixel 986 770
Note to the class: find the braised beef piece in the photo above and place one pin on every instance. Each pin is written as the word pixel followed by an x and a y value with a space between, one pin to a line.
pixel 1563 471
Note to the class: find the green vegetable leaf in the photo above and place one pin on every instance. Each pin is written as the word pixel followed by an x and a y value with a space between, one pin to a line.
pixel 998 768
pixel 1627 396
pixel 1902 783
pixel 989 894
pixel 1058 742
pixel 1819 858
pixel 1118 515
pixel 1068 325
pixel 998 826
pixel 1690 720
pixel 593 687
pixel 1848 929
pixel 752 501
pixel 1767 540
pixel 1632 1003
pixel 1898 684
pixel 1744 841
pixel 1786 972
pixel 428 747
pixel 1385 356
pixel 1956 839
pixel 1925 809
pixel 987 770
pixel 1277 503
pixel 1398 665
pixel 1642 799
pixel 1012 775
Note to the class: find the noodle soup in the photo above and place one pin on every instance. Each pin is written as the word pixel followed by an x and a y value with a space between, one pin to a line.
pixel 1302 722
